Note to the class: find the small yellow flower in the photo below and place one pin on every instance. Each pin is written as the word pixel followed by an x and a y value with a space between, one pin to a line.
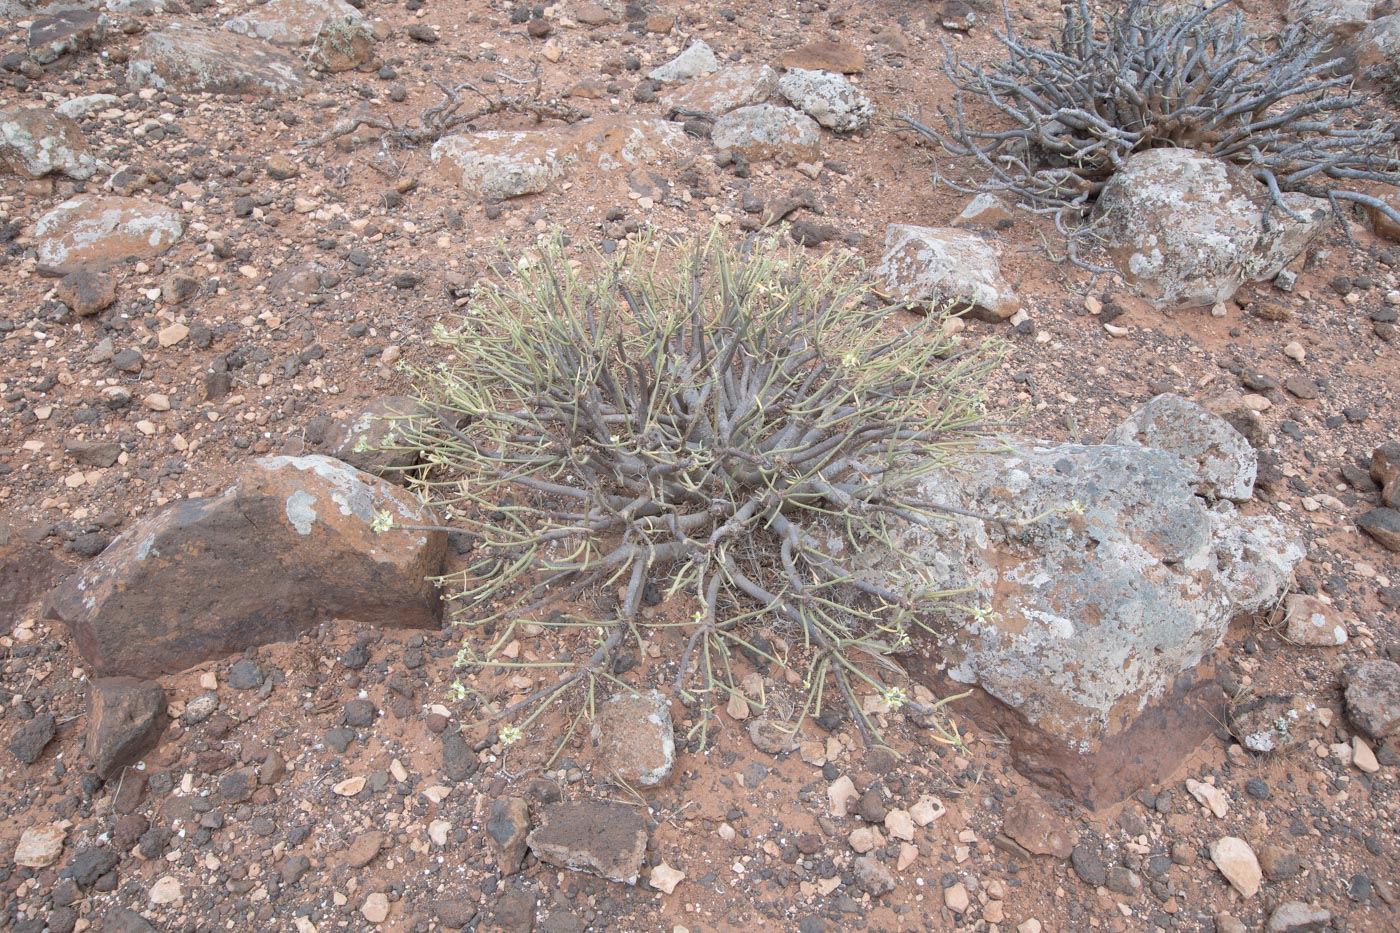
pixel 383 521
pixel 850 361
pixel 510 735
pixel 894 697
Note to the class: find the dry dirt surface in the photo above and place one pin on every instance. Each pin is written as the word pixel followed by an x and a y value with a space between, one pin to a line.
pixel 327 798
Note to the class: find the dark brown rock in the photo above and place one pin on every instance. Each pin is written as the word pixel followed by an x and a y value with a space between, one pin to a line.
pixel 825 56
pixel 101 454
pixel 1384 525
pixel 291 545
pixel 607 839
pixel 372 439
pixel 1372 692
pixel 508 826
pixel 26 570
pixel 125 719
pixel 1032 824
pixel 30 739
pixel 86 291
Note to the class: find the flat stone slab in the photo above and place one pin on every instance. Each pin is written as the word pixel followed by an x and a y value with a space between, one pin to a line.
pixel 89 231
pixel 214 61
pixel 607 839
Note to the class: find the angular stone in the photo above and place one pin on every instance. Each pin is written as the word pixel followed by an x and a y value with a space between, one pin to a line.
pixel 765 131
pixel 66 32
pixel 26 571
pixel 1385 471
pixel 841 57
pixel 986 211
pixel 290 545
pixel 828 98
pixel 192 58
pixel 125 719
pixel 40 846
pixel 872 876
pixel 363 848
pixel 290 22
pixel 1297 917
pixel 36 142
pixel 29 740
pixel 1372 693
pixel 508 827
pixel 1222 460
pixel 1130 590
pixel 698 59
pixel 1032 824
pixel 98 231
pixel 955 271
pixel 1337 18
pixel 1383 525
pixel 635 739
pixel 609 144
pixel 1187 230
pixel 1309 622
pixel 606 839
pixel 1236 861
pixel 1266 724
pixel 725 90
pixel 373 438
pixel 87 292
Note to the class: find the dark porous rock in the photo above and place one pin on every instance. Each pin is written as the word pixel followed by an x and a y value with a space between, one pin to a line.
pixel 122 920
pixel 872 876
pixel 508 826
pixel 453 913
pixel 30 739
pixel 514 912
pixel 360 713
pixel 87 291
pixel 125 719
pixel 246 674
pixel 603 838
pixel 87 865
pixel 458 762
pixel 1372 692
pixel 1384 525
pixel 291 545
pixel 1037 829
pixel 1088 865
pixel 372 439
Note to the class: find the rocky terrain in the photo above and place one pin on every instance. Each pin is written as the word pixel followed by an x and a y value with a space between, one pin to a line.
pixel 229 231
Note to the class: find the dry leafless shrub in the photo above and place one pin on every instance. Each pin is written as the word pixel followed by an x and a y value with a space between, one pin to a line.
pixel 1136 75
pixel 723 426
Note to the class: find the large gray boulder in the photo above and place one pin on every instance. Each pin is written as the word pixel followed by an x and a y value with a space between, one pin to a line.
pixel 192 58
pixel 1186 229
pixel 1338 18
pixel 1224 464
pixel 828 98
pixel 729 89
pixel 297 541
pixel 1084 628
pixel 766 131
pixel 953 270
pixel 291 22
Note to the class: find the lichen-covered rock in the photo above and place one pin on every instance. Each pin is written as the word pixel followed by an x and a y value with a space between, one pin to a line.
pixel 1187 229
pixel 953 270
pixel 1372 692
pixel 635 738
pixel 192 58
pixel 1376 50
pixel 501 164
pixel 607 144
pixel 1339 18
pixel 290 22
pixel 99 231
pixel 36 142
pixel 297 541
pixel 698 59
pixel 728 89
pixel 1222 460
pixel 765 131
pixel 828 98
pixel 342 43
pixel 1089 615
